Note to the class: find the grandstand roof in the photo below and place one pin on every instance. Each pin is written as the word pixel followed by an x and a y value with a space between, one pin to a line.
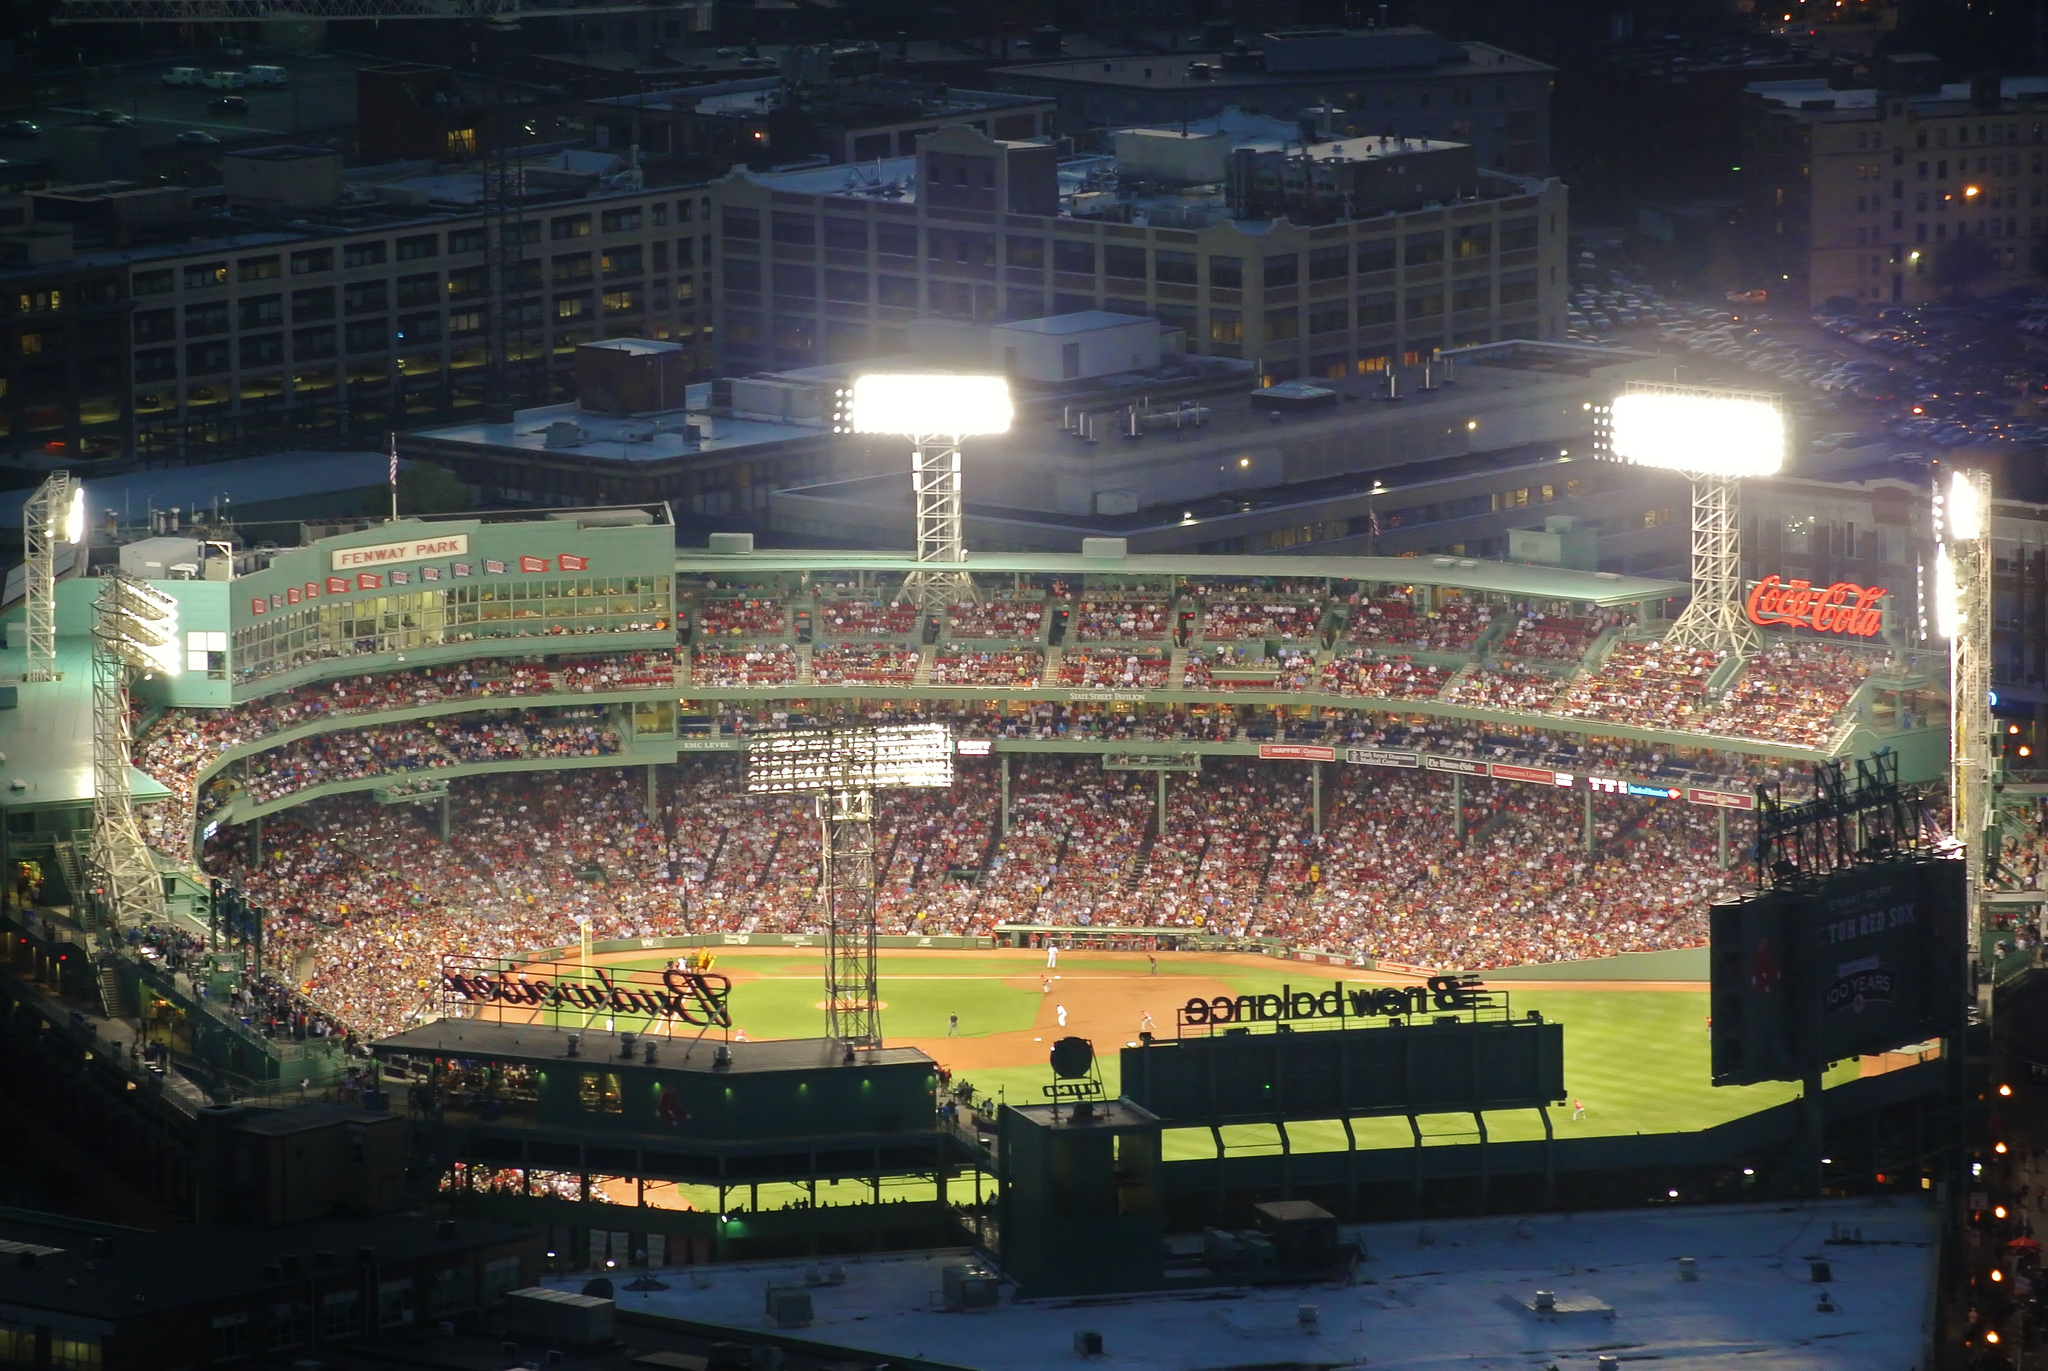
pixel 1455 573
pixel 46 739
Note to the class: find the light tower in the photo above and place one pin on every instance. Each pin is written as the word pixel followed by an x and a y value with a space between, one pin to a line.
pixel 843 768
pixel 1715 438
pixel 134 628
pixel 55 513
pixel 1962 608
pixel 935 413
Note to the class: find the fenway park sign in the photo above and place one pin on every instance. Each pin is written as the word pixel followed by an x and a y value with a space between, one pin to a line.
pixel 1844 607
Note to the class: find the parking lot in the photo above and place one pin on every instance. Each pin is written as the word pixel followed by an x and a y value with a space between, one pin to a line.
pixel 1887 389
pixel 318 100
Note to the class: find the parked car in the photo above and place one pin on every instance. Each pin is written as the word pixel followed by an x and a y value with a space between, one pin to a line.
pixel 196 138
pixel 269 76
pixel 224 80
pixel 19 128
pixel 181 76
pixel 228 104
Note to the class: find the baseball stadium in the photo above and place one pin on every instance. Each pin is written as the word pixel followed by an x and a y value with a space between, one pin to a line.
pixel 403 815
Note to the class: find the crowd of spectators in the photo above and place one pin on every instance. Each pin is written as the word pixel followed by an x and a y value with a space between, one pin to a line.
pixel 1542 636
pixel 1793 691
pixel 740 617
pixel 1011 668
pixel 1289 622
pixel 1504 685
pixel 1113 668
pixel 759 664
pixel 882 664
pixel 996 617
pixel 1648 684
pixel 1101 620
pixel 366 899
pixel 1453 626
pixel 1291 669
pixel 390 749
pixel 1362 671
pixel 866 619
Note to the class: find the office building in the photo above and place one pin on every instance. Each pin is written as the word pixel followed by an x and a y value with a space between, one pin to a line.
pixel 311 303
pixel 1373 253
pixel 1388 81
pixel 1899 194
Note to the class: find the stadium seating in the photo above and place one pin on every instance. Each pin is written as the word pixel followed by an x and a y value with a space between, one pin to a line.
pixel 1011 668
pixel 1143 669
pixel 883 664
pixel 1642 683
pixel 1363 671
pixel 866 619
pixel 367 898
pixel 1105 620
pixel 1791 692
pixel 997 617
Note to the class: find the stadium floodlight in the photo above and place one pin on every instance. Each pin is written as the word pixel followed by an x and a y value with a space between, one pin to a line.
pixel 1948 609
pixel 917 405
pixel 54 513
pixel 844 767
pixel 1714 437
pixel 1725 435
pixel 819 761
pixel 935 412
pixel 135 628
pixel 1963 516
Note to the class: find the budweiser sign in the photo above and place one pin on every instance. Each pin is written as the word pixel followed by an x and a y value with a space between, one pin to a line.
pixel 1843 607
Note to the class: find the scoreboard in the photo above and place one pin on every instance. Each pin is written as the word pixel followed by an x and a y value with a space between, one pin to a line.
pixel 1857 962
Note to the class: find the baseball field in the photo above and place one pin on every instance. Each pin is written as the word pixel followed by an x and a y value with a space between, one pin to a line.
pixel 1635 1051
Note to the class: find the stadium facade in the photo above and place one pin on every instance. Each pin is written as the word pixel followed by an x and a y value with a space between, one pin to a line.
pixel 403 661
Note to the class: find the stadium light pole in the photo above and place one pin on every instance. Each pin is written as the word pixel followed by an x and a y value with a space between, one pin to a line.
pixel 1715 438
pixel 54 514
pixel 935 412
pixel 1962 613
pixel 134 629
pixel 843 768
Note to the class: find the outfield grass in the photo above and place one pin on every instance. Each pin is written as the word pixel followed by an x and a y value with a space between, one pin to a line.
pixel 1637 1058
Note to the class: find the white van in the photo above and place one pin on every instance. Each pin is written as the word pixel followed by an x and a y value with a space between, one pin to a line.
pixel 269 76
pixel 224 80
pixel 182 76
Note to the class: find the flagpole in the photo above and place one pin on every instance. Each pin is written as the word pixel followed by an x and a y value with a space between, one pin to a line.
pixel 394 476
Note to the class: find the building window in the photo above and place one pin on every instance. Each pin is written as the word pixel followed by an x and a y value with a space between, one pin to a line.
pixel 341 1314
pixel 1329 264
pixel 624 260
pixel 230 1336
pixel 150 282
pixel 739 223
pixel 1331 316
pixel 206 357
pixel 1226 273
pixel 574 226
pixel 572 306
pixel 1376 254
pixel 362 254
pixel 1070 256
pixel 199 277
pixel 1282 324
pixel 1226 326
pixel 1125 263
pixel 1376 310
pixel 847 235
pixel 394 1303
pixel 598 1092
pixel 312 260
pixel 1421 249
pixel 794 230
pixel 290 1323
pixel 419 246
pixel 1174 268
pixel 626 301
pixel 1281 271
pixel 368 335
pixel 895 240
pixel 1025 250
pixel 259 268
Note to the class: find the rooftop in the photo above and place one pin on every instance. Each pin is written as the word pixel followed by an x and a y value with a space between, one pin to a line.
pixel 1796 95
pixel 180 1266
pixel 484 1038
pixel 1430 1295
pixel 1170 71
pixel 1455 573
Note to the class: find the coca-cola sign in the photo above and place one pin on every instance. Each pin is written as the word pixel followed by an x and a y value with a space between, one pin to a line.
pixel 1843 607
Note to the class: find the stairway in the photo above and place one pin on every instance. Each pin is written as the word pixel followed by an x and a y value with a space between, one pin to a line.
pixel 1052 665
pixel 926 656
pixel 1177 669
pixel 803 665
pixel 71 862
pixel 683 659
pixel 114 1001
